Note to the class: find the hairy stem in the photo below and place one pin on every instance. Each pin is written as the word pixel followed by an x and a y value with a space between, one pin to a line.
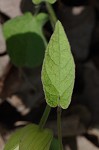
pixel 59 128
pixel 44 116
pixel 53 18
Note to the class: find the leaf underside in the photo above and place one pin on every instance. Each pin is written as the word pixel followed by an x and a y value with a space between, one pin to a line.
pixel 58 71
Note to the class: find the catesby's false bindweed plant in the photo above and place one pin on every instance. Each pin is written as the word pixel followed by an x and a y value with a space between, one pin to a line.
pixel 58 74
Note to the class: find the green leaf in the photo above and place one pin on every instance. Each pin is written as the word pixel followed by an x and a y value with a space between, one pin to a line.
pixel 30 137
pixel 13 142
pixel 36 139
pixel 25 40
pixel 54 144
pixel 40 1
pixel 58 70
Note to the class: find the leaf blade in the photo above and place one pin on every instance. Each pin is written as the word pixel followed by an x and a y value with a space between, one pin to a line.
pixel 22 35
pixel 13 142
pixel 36 139
pixel 58 71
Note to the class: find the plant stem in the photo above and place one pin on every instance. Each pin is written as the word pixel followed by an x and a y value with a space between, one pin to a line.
pixel 53 20
pixel 52 14
pixel 37 9
pixel 44 116
pixel 59 128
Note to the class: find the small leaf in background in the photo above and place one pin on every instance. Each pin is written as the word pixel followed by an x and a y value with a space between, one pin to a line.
pixel 36 139
pixel 30 137
pixel 54 144
pixel 40 1
pixel 58 72
pixel 25 40
pixel 13 142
